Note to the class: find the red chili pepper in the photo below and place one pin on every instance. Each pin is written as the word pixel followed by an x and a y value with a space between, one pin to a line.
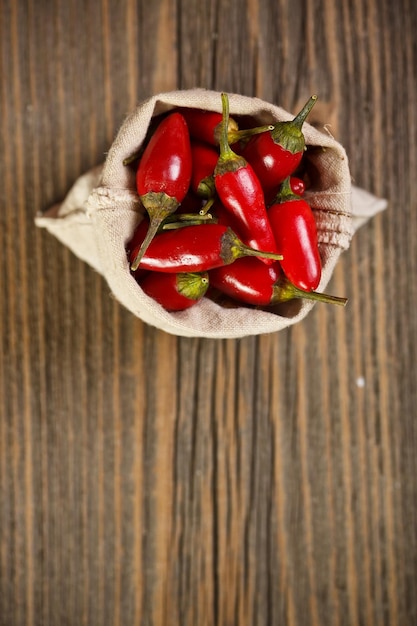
pixel 207 126
pixel 295 230
pixel 276 154
pixel 224 217
pixel 191 249
pixel 247 280
pixel 241 193
pixel 164 174
pixel 251 282
pixel 175 292
pixel 297 185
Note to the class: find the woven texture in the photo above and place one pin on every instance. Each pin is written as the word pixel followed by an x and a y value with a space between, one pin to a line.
pixel 101 211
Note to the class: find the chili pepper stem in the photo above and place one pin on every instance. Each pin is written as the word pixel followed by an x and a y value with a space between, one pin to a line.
pixel 247 133
pixel 228 161
pixel 207 206
pixel 285 193
pixel 301 117
pixel 283 290
pixel 185 218
pixel 192 285
pixel 225 148
pixel 233 248
pixel 289 134
pixel 132 158
pixel 159 206
pixel 196 220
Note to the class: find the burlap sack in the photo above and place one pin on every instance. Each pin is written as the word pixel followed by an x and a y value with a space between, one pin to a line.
pixel 100 213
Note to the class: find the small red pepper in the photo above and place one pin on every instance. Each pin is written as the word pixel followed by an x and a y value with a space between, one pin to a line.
pixel 297 185
pixel 276 154
pixel 191 249
pixel 207 126
pixel 241 193
pixel 175 292
pixel 247 280
pixel 164 174
pixel 295 230
pixel 251 282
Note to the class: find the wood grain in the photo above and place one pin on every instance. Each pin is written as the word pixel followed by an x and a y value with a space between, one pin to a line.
pixel 147 479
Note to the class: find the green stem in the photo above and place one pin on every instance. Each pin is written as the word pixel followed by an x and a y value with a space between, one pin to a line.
pixel 225 150
pixel 247 251
pixel 195 221
pixel 233 248
pixel 132 158
pixel 192 285
pixel 206 208
pixel 152 231
pixel 285 193
pixel 159 206
pixel 284 290
pixel 228 161
pixel 300 118
pixel 247 133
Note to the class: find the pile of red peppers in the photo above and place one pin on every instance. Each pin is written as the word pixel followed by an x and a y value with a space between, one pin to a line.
pixel 225 215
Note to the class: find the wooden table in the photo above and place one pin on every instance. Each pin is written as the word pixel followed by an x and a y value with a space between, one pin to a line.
pixel 147 479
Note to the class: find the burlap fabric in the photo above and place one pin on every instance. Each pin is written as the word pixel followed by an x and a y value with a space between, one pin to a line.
pixel 100 213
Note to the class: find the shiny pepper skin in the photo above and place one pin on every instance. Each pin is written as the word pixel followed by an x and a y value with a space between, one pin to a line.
pixel 191 249
pixel 272 163
pixel 276 154
pixel 297 185
pixel 294 226
pixel 251 282
pixel 241 194
pixel 206 125
pixel 165 166
pixel 164 174
pixel 247 280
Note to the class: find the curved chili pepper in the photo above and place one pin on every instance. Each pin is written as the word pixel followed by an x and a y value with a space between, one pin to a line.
pixel 295 230
pixel 241 193
pixel 164 174
pixel 191 249
pixel 175 292
pixel 251 282
pixel 276 154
